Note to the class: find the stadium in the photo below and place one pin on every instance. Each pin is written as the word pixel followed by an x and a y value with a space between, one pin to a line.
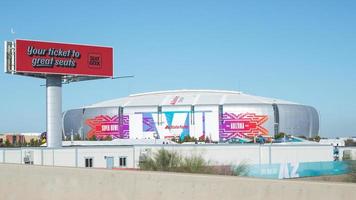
pixel 215 114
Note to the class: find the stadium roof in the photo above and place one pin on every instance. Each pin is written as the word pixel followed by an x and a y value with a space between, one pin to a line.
pixel 188 97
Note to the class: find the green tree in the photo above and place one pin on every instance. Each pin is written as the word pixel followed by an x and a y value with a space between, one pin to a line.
pixel 187 138
pixel 317 138
pixel 32 142
pixel 93 138
pixel 77 137
pixel 7 143
pixel 108 138
pixel 279 135
pixel 35 142
pixel 174 139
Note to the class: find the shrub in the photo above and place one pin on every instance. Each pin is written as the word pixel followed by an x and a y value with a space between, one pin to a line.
pixel 195 164
pixel 241 169
pixel 165 160
pixel 147 163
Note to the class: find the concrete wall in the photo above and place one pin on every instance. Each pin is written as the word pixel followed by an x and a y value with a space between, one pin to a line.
pixel 13 156
pixel 43 183
pixel 47 157
pixel 65 157
pixel 99 155
pixel 216 154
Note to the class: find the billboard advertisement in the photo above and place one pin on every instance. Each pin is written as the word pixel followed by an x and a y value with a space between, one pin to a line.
pixel 167 124
pixel 104 125
pixel 241 125
pixel 103 122
pixel 37 57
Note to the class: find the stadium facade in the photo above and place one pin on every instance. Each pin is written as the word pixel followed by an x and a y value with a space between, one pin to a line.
pixel 218 115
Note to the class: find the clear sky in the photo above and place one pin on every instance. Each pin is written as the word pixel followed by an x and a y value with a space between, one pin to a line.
pixel 302 51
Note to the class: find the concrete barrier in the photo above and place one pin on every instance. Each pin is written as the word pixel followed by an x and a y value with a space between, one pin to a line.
pixel 52 183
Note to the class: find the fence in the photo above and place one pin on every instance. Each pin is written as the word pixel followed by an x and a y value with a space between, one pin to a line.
pixel 267 161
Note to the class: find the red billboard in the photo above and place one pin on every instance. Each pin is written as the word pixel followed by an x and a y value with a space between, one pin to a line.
pixel 37 57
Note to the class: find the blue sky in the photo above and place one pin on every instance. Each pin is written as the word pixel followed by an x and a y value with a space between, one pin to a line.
pixel 301 51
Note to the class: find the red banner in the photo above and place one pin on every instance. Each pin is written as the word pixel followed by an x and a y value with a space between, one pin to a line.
pixel 35 57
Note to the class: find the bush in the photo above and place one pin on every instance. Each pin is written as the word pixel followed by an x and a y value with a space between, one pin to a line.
pixel 241 169
pixel 147 163
pixel 165 160
pixel 195 164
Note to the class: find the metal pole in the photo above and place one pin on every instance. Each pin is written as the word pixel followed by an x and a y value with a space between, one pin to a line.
pixel 54 111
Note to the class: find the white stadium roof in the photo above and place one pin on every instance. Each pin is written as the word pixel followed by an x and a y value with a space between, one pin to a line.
pixel 188 97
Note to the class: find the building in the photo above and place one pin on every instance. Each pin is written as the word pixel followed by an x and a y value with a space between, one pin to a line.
pixel 19 138
pixel 214 114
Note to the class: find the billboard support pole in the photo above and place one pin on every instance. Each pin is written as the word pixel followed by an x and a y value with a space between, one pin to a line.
pixel 54 110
